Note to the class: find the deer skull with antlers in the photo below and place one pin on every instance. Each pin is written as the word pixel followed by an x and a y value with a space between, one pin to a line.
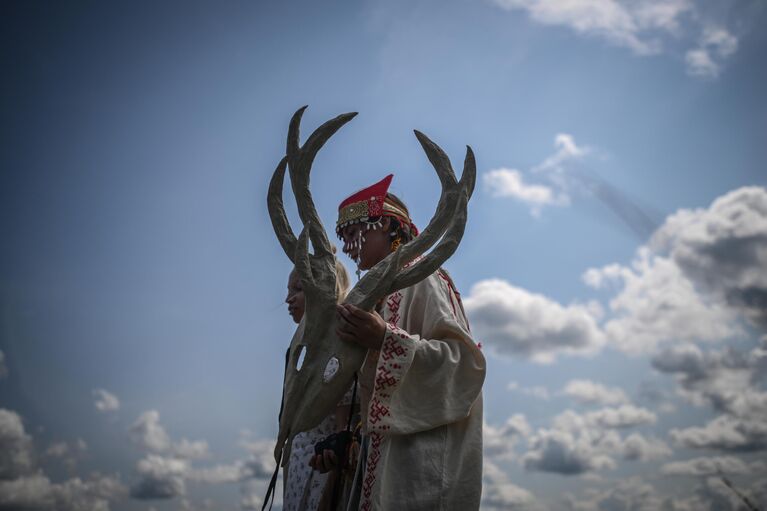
pixel 309 395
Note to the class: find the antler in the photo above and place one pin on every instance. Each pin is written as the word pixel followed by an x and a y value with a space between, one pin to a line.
pixel 317 271
pixel 277 211
pixel 448 223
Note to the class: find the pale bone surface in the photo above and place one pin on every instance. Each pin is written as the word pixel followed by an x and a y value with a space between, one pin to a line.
pixel 308 398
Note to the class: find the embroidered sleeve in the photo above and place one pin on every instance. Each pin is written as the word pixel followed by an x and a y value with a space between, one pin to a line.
pixel 429 371
pixel 397 353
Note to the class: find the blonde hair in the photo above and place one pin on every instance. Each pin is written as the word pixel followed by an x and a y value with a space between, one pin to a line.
pixel 342 281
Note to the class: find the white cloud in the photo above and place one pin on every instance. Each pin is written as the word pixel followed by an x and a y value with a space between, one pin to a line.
pixel 69 454
pixel 658 304
pixel 566 453
pixel 566 150
pixel 700 63
pixel 38 492
pixel 498 493
pixel 538 392
pixel 516 322
pixel 631 494
pixel 498 442
pixel 148 433
pixel 23 485
pixel 634 25
pixel 646 27
pixel 589 392
pixel 728 381
pixel 505 182
pixel 16 455
pixel 716 44
pixel 160 477
pixel 105 401
pixel 625 416
pixel 724 433
pixel 712 466
pixel 581 444
pixel 723 249
pixel 638 448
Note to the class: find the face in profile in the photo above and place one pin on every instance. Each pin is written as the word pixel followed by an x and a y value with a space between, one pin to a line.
pixel 376 246
pixel 295 298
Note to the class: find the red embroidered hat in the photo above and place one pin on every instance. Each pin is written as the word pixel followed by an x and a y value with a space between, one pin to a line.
pixel 371 202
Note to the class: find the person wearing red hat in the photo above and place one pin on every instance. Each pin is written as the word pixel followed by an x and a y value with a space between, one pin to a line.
pixel 421 383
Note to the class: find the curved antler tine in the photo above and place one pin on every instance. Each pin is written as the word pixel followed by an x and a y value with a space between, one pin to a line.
pixel 294 131
pixel 447 200
pixel 469 176
pixel 441 253
pixel 453 234
pixel 302 261
pixel 438 159
pixel 277 211
pixel 321 135
pixel 300 161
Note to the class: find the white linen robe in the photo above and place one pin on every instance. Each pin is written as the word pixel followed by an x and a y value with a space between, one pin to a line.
pixel 421 395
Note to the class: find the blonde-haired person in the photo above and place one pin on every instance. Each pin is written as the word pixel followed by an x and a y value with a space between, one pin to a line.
pixel 303 487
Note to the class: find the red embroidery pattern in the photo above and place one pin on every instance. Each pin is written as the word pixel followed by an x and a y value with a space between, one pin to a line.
pixel 377 411
pixel 385 378
pixel 393 305
pixel 372 463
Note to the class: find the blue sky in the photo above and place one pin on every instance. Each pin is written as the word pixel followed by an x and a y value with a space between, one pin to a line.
pixel 613 265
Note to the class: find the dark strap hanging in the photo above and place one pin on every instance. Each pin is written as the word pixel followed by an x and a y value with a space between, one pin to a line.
pixel 273 483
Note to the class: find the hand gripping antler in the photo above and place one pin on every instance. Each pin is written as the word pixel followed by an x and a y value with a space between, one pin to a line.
pixel 448 223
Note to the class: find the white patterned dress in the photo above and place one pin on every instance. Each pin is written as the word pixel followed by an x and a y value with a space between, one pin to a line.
pixel 303 486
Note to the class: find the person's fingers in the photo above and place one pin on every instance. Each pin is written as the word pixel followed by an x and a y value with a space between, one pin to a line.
pixel 357 313
pixel 347 315
pixel 329 458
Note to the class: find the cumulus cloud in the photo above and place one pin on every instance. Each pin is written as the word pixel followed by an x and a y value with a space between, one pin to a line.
pixel 16 454
pixel 160 477
pixel 498 442
pixel 165 471
pixel 716 44
pixel 565 453
pixel 579 444
pixel 538 391
pixel 498 493
pixel 625 416
pixel 505 182
pixel 38 492
pixel 148 433
pixel 638 448
pixel 634 25
pixel 591 393
pixel 516 322
pixel 728 381
pixel 723 249
pixel 105 401
pixel 646 27
pixel 657 304
pixel 23 485
pixel 67 453
pixel 712 466
pixel 630 494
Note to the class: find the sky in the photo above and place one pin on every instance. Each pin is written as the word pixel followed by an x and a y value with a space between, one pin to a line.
pixel 613 266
